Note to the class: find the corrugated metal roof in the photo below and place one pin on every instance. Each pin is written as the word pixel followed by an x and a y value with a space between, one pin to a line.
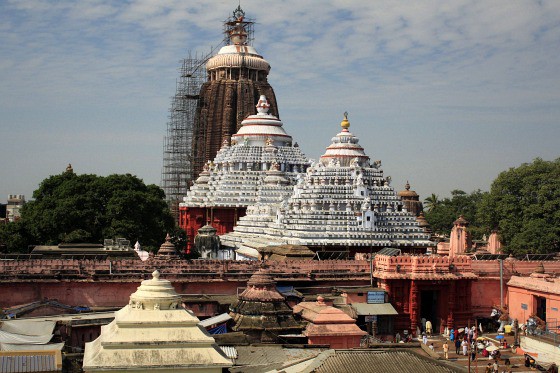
pixel 230 351
pixel 383 361
pixel 27 363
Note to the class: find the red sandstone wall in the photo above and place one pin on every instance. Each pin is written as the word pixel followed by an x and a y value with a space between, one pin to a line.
pixel 485 294
pixel 89 282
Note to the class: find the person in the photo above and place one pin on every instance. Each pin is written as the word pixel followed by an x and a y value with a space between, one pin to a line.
pixel 465 346
pixel 456 334
pixel 428 327
pixel 452 335
pixel 445 350
pixel 397 337
pixel 431 346
pixel 495 367
pixel 424 339
pixel 489 368
pixel 457 345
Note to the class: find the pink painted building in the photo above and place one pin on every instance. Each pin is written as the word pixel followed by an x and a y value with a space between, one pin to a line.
pixel 329 325
pixel 537 294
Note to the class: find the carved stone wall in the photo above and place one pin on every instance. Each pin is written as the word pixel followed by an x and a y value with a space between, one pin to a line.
pixel 223 104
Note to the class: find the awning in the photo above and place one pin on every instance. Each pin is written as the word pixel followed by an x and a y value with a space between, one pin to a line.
pixel 215 320
pixel 248 252
pixel 28 327
pixel 47 347
pixel 365 309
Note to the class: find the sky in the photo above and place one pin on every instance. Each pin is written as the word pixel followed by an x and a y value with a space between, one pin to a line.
pixel 447 94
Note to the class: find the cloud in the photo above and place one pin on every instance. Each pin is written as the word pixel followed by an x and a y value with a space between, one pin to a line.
pixel 407 73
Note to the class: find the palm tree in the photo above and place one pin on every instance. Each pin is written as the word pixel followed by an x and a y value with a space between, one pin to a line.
pixel 432 202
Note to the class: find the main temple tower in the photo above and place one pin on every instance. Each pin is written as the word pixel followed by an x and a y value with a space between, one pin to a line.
pixel 237 77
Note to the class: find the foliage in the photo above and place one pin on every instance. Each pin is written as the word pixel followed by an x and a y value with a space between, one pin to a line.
pixel 524 206
pixel 442 213
pixel 88 208
pixel 431 202
pixel 15 236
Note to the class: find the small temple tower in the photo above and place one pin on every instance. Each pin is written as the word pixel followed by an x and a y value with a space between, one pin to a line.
pixel 262 312
pixel 237 76
pixel 207 243
pixel 460 240
pixel 167 249
pixel 153 333
pixel 329 325
pixel 411 200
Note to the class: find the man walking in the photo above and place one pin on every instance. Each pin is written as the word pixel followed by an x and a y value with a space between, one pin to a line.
pixel 445 350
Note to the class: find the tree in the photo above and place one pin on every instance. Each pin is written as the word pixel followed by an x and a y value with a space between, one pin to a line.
pixel 431 202
pixel 524 206
pixel 442 213
pixel 88 208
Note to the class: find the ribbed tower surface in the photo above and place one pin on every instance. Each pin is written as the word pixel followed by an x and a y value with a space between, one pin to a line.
pixel 237 77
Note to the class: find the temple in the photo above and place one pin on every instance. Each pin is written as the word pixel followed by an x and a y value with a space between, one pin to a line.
pixel 341 206
pixel 328 325
pixel 153 332
pixel 237 76
pixel 411 200
pixel 262 312
pixel 259 163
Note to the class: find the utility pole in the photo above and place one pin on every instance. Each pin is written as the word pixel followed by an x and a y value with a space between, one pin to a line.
pixel 469 348
pixel 501 283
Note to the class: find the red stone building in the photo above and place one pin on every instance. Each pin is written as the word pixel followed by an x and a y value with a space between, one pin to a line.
pixel 427 287
pixel 191 219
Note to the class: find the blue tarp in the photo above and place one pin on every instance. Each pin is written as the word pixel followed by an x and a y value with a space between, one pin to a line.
pixel 220 329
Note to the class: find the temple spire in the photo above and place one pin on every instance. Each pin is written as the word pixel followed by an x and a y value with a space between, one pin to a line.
pixel 345 124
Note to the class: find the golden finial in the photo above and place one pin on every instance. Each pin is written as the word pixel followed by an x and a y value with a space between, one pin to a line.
pixel 345 123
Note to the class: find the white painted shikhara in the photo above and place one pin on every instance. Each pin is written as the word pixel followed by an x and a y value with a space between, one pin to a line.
pixel 342 200
pixel 154 332
pixel 261 162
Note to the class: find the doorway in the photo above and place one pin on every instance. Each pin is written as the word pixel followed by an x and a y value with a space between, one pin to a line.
pixel 541 308
pixel 429 302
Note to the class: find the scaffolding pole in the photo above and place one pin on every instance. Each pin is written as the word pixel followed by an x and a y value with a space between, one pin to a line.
pixel 177 168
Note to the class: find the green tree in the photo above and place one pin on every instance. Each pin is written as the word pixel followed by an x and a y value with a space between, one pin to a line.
pixel 442 213
pixel 88 208
pixel 431 202
pixel 524 206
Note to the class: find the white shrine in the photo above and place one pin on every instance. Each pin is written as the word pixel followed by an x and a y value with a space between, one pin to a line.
pixel 153 332
pixel 260 149
pixel 342 204
pixel 261 163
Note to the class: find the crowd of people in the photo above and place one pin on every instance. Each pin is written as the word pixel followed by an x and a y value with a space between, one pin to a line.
pixel 468 343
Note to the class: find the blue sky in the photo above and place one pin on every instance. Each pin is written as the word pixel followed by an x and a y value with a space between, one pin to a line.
pixel 446 93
